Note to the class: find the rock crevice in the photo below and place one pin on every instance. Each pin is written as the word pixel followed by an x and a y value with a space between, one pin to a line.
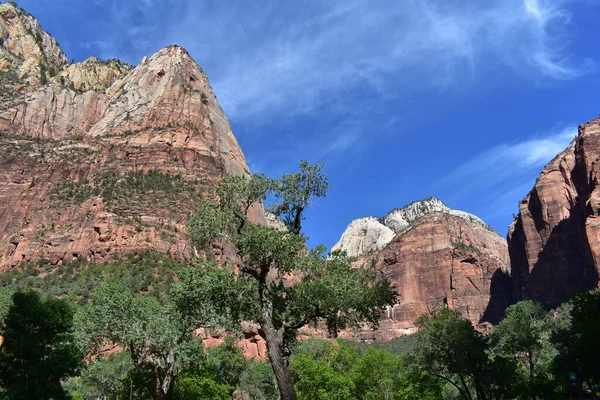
pixel 554 240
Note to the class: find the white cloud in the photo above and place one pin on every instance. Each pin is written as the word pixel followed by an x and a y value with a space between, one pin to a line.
pixel 499 177
pixel 492 183
pixel 276 58
pixel 508 161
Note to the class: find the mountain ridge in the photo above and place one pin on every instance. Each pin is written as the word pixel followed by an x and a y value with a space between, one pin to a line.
pixel 397 221
pixel 103 159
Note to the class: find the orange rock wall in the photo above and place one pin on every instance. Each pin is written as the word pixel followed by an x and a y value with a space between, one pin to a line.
pixel 554 242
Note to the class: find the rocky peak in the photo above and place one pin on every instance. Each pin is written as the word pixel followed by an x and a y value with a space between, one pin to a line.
pixel 368 234
pixel 86 157
pixel 91 74
pixel 402 218
pixel 273 221
pixel 168 98
pixel 25 48
pixel 435 257
pixel 363 236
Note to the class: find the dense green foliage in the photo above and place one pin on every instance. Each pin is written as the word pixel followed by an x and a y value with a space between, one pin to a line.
pixel 337 370
pixel 109 376
pixel 198 387
pixel 127 194
pixel 213 374
pixel 447 359
pixel 523 336
pixel 578 345
pixel 328 288
pixel 76 280
pixel 128 328
pixel 531 354
pixel 159 334
pixel 38 350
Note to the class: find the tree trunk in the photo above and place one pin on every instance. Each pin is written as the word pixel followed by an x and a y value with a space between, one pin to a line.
pixel 159 394
pixel 274 338
pixel 479 392
pixel 275 345
pixel 530 359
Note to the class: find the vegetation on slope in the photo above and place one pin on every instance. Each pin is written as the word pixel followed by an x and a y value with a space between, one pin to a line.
pixel 146 307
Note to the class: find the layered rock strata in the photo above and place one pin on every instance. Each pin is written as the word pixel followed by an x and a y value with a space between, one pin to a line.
pixel 436 257
pixel 554 241
pixel 99 158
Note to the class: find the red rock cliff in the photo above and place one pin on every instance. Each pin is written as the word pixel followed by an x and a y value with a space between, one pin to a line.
pixel 554 242
pixel 99 158
pixel 435 256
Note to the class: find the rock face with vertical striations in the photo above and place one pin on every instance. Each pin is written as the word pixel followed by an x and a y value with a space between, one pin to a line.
pixel 436 257
pixel 100 158
pixel 554 242
pixel 26 49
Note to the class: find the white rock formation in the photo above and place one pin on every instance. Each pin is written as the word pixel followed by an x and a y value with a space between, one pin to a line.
pixel 402 218
pixel 364 235
pixel 274 221
pixel 368 234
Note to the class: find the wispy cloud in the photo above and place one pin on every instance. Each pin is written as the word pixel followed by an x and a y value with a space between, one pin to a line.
pixel 501 176
pixel 282 58
pixel 548 52
pixel 509 160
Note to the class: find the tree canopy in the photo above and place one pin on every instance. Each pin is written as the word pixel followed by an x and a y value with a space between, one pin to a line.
pixel 159 336
pixel 578 344
pixel 294 286
pixel 39 349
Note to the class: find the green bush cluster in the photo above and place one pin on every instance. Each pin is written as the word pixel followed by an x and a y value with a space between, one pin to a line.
pixel 124 194
pixel 460 244
pixel 216 374
pixel 338 370
pixel 8 94
pixel 146 272
pixel 531 354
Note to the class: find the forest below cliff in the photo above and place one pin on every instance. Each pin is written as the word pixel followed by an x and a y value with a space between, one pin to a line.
pixel 129 328
pixel 140 258
pixel 530 354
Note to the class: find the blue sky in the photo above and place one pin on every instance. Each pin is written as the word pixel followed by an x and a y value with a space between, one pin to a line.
pixel 462 100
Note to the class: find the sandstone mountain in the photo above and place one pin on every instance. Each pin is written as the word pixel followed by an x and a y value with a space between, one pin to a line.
pixel 435 256
pixel 99 158
pixel 554 242
pixel 26 50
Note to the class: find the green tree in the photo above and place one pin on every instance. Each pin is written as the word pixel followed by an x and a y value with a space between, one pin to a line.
pixel 449 348
pixel 200 387
pixel 109 377
pixel 294 192
pixel 6 301
pixel 159 336
pixel 375 373
pixel 225 363
pixel 258 382
pixel 39 349
pixel 327 287
pixel 380 375
pixel 578 345
pixel 524 334
pixel 314 380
